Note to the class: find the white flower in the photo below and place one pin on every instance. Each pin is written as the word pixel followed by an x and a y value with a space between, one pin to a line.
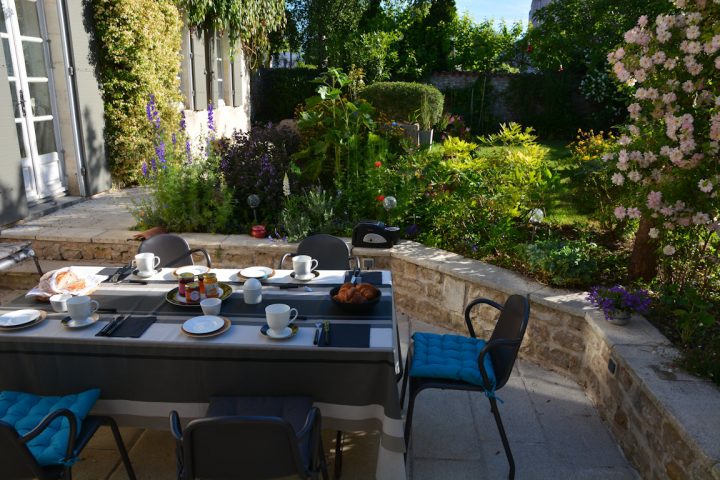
pixel 669 250
pixel 705 185
pixel 634 176
pixel 618 178
pixel 654 233
pixel 286 185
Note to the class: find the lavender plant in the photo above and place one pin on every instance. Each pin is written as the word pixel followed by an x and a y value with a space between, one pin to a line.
pixel 617 299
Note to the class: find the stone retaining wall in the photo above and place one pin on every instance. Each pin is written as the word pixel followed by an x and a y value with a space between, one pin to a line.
pixel 665 420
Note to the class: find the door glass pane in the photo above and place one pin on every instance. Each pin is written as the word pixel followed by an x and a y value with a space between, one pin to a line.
pixel 40 98
pixel 17 113
pixel 34 59
pixel 28 18
pixel 21 141
pixel 8 56
pixel 45 136
pixel 3 28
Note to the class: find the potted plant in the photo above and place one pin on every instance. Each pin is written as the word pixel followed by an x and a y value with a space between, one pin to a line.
pixel 619 303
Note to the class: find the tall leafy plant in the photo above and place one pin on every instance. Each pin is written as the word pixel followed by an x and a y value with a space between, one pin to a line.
pixel 138 54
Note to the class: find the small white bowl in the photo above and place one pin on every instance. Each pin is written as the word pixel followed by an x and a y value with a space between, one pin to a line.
pixel 59 301
pixel 211 306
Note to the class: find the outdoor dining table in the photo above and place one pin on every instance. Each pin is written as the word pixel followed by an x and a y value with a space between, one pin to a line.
pixel 143 379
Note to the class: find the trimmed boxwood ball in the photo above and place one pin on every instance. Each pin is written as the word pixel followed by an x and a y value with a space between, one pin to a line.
pixel 401 101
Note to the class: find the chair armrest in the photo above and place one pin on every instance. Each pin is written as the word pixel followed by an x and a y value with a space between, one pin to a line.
pixel 175 427
pixel 282 260
pixel 205 253
pixel 471 305
pixel 311 420
pixel 492 344
pixel 49 418
pixel 357 261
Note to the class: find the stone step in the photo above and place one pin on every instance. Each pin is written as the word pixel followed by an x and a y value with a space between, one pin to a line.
pixel 24 276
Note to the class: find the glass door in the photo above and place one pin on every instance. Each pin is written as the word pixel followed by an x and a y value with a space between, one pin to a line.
pixel 23 35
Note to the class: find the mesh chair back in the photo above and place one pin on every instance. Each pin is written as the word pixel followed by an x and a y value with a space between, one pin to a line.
pixel 173 250
pixel 332 253
pixel 511 325
pixel 247 447
pixel 15 459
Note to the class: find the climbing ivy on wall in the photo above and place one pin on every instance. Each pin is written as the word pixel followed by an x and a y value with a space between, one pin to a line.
pixel 137 54
pixel 245 22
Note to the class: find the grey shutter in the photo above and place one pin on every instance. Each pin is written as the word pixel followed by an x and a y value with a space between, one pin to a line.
pixel 237 76
pixel 201 98
pixel 88 98
pixel 13 203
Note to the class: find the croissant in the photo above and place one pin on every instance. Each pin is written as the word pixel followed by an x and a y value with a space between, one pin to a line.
pixel 368 291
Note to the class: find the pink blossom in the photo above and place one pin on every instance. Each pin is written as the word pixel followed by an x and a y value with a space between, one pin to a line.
pixel 684 221
pixel 670 63
pixel 654 200
pixel 700 218
pixel 705 185
pixel 617 178
pixel 634 110
pixel 692 32
pixel 688 86
pixel 620 212
pixel 633 212
pixel 634 176
pixel 643 20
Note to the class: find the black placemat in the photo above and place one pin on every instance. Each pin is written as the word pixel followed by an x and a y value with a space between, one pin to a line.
pixel 373 278
pixel 134 326
pixel 344 335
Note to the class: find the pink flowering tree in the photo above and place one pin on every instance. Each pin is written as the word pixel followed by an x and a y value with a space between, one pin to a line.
pixel 666 160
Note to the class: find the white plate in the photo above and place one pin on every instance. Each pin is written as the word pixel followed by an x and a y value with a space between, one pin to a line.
pixel 194 269
pixel 82 323
pixel 19 317
pixel 203 324
pixel 149 274
pixel 256 272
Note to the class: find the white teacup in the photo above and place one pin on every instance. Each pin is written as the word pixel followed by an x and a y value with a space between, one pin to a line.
pixel 278 317
pixel 59 301
pixel 146 263
pixel 211 306
pixel 81 307
pixel 303 265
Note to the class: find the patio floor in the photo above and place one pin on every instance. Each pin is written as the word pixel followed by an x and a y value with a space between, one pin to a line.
pixel 553 428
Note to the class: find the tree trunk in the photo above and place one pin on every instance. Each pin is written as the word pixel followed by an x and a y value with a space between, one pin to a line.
pixel 643 261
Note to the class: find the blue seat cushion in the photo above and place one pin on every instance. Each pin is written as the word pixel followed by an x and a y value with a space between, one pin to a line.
pixel 24 411
pixel 451 357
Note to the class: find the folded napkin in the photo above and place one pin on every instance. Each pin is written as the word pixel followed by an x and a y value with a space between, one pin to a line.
pixel 344 335
pixel 373 278
pixel 134 326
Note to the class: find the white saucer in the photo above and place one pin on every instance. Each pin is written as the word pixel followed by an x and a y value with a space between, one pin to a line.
pixel 256 272
pixel 82 323
pixel 305 278
pixel 140 274
pixel 285 333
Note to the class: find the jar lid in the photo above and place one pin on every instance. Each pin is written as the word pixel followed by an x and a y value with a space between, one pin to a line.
pixel 252 284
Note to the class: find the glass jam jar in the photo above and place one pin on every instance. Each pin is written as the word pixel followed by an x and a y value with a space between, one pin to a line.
pixel 192 292
pixel 212 289
pixel 184 279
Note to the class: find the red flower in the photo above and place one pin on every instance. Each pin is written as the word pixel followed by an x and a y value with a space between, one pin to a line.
pixel 378 164
pixel 530 48
pixel 380 198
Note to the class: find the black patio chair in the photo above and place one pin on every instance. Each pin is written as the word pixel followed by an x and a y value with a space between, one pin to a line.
pixel 173 250
pixel 332 253
pixel 251 437
pixel 18 462
pixel 436 361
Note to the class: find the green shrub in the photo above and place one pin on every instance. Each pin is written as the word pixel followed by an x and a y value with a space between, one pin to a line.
pixel 138 54
pixel 571 263
pixel 278 91
pixel 403 101
pixel 307 214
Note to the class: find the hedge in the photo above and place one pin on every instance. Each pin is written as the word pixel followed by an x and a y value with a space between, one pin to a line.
pixel 402 100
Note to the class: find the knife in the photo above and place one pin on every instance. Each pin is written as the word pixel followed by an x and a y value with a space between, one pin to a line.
pixel 117 325
pixel 103 331
pixel 121 273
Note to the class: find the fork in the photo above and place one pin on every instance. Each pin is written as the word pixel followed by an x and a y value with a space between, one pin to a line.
pixel 318 326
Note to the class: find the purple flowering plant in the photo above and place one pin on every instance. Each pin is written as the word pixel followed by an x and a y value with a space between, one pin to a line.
pixel 186 187
pixel 617 299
